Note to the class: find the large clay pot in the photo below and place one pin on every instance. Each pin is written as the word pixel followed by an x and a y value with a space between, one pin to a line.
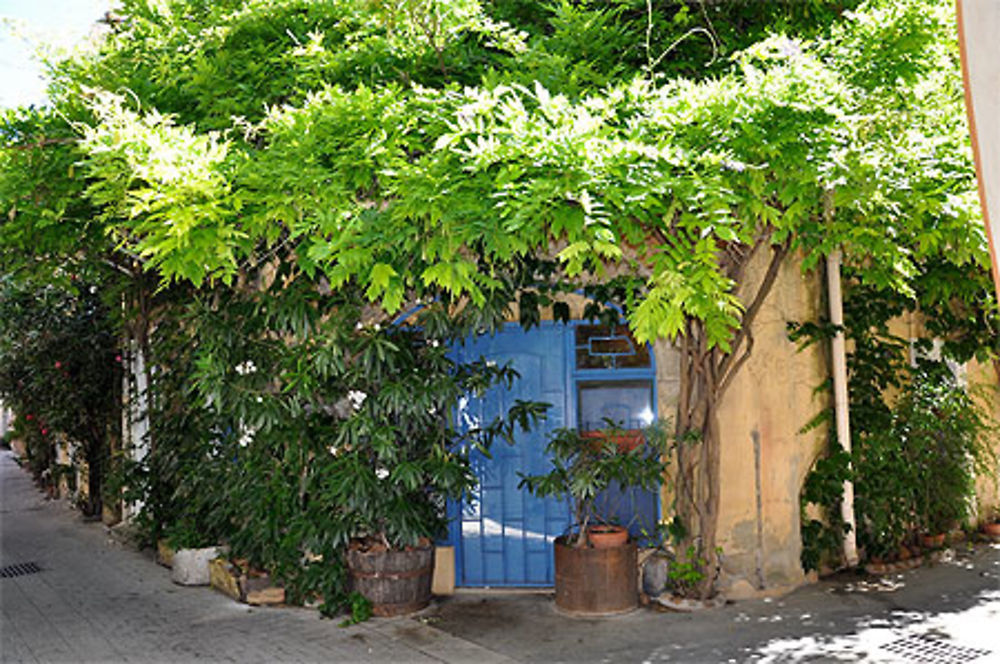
pixel 596 582
pixel 394 581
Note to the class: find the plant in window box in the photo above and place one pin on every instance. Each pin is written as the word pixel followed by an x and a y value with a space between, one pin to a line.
pixel 592 575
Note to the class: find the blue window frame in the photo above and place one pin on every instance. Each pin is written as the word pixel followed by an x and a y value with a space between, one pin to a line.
pixel 612 378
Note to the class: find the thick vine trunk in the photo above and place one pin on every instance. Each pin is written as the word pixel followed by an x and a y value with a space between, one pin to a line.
pixel 706 373
pixel 699 455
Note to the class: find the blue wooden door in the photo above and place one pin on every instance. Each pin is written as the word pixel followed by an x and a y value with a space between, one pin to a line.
pixel 503 535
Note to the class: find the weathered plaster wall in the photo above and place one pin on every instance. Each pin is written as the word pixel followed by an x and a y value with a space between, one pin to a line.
pixel 765 458
pixel 985 382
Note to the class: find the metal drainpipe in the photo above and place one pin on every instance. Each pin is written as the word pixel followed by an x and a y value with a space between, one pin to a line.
pixel 840 401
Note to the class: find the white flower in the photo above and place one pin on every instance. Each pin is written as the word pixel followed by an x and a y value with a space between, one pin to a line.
pixel 435 343
pixel 246 439
pixel 377 327
pixel 357 397
pixel 333 450
pixel 358 325
pixel 381 473
pixel 244 368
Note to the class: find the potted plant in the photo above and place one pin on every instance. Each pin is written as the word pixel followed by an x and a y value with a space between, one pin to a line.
pixel 187 551
pixel 398 455
pixel 991 525
pixel 595 563
pixel 943 432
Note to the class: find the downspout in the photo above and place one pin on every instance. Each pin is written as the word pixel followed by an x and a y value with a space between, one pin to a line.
pixel 840 401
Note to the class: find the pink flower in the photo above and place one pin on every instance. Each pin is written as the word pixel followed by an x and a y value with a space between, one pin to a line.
pixel 29 417
pixel 44 431
pixel 58 364
pixel 118 358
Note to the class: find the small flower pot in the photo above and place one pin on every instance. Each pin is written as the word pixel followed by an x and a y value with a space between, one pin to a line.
pixel 607 536
pixel 992 529
pixel 932 541
pixel 625 441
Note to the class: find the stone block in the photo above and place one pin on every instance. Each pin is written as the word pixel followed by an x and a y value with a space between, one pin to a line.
pixel 164 553
pixel 225 577
pixel 190 566
pixel 269 596
pixel 443 582
pixel 255 589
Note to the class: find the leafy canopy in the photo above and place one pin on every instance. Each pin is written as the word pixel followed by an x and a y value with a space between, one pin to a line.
pixel 410 146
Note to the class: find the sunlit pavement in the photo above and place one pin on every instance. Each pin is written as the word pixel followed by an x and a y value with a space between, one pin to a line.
pixel 95 601
pixel 965 635
pixel 946 612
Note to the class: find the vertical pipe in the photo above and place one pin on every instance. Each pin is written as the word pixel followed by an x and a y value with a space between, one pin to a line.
pixel 840 401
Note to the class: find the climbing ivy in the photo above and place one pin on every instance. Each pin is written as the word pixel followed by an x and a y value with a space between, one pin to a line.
pixel 917 436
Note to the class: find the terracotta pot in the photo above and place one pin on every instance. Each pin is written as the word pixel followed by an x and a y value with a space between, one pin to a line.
pixel 932 541
pixel 992 529
pixel 396 582
pixel 625 440
pixel 596 581
pixel 607 536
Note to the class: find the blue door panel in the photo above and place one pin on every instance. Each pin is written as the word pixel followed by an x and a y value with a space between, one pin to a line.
pixel 505 534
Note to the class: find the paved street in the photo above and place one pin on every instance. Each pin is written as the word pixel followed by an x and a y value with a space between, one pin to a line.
pixel 95 601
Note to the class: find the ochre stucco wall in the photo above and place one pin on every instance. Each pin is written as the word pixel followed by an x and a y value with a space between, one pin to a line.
pixel 765 458
pixel 985 383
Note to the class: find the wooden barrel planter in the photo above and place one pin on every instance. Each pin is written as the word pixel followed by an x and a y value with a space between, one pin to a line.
pixel 596 582
pixel 394 581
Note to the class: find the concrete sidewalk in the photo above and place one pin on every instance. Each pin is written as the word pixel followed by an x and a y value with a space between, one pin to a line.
pixel 95 601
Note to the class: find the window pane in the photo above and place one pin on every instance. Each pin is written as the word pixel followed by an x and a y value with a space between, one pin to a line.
pixel 628 404
pixel 603 347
